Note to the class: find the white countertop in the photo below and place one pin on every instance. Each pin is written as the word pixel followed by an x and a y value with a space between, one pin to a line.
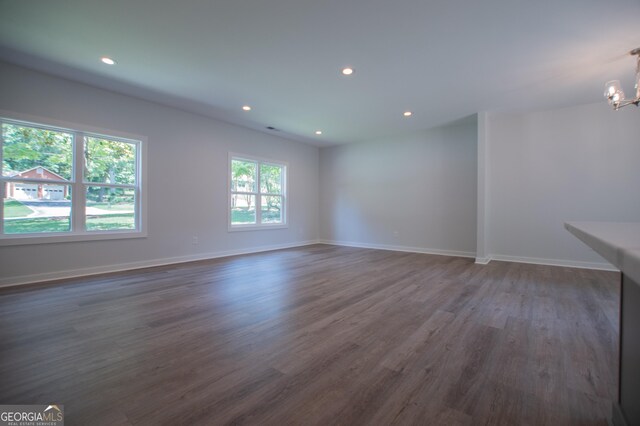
pixel 618 242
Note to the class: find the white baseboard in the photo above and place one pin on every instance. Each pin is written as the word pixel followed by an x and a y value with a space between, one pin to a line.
pixel 81 272
pixel 601 266
pixel 439 252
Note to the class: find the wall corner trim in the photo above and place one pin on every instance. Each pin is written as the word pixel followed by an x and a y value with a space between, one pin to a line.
pixel 601 266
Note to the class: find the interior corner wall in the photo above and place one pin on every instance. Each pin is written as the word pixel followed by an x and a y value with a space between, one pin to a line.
pixel 414 192
pixel 187 157
pixel 482 242
pixel 546 168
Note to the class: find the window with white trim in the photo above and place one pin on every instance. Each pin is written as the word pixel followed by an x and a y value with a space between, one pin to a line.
pixel 258 193
pixel 59 182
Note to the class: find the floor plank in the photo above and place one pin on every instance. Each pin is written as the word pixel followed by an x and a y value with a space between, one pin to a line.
pixel 317 335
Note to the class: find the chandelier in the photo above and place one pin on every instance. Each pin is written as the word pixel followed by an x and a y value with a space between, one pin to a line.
pixel 613 91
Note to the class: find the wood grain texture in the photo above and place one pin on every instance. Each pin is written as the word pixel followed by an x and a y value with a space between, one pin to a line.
pixel 318 335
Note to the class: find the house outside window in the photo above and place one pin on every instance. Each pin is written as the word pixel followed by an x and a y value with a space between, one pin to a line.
pixel 60 184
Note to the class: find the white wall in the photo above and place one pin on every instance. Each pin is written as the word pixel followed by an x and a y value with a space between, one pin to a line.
pixel 575 164
pixel 415 192
pixel 187 174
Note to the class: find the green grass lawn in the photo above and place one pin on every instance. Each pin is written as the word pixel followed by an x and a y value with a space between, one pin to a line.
pixel 13 208
pixel 244 216
pixel 239 215
pixel 271 216
pixel 62 224
pixel 112 206
pixel 37 225
pixel 110 222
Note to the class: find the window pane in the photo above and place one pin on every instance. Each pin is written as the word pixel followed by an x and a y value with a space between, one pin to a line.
pixel 35 208
pixel 270 179
pixel 110 209
pixel 243 209
pixel 109 161
pixel 271 209
pixel 243 176
pixel 35 153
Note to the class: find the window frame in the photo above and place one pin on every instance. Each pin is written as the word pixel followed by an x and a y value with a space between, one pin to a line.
pixel 258 194
pixel 77 183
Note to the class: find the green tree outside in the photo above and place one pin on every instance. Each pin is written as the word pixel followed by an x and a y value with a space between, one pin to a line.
pixel 24 148
pixel 106 162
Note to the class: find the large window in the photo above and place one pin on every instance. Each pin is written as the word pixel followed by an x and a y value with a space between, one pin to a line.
pixel 258 193
pixel 66 184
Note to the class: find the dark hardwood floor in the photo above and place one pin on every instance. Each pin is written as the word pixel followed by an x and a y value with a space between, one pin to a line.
pixel 318 335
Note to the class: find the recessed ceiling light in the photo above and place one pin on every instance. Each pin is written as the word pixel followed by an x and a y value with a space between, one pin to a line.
pixel 246 108
pixel 318 132
pixel 407 113
pixel 348 71
pixel 107 60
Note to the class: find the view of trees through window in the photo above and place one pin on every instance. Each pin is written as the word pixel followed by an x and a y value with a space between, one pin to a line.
pixel 257 192
pixel 110 163
pixel 26 147
pixel 38 175
pixel 34 155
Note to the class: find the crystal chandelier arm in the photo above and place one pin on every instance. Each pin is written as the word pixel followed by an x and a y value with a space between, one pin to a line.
pixel 618 105
pixel 613 91
pixel 637 53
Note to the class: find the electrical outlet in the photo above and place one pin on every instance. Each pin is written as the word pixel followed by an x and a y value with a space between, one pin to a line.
pixel 195 240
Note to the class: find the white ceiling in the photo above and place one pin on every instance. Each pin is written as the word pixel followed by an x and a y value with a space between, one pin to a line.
pixel 441 59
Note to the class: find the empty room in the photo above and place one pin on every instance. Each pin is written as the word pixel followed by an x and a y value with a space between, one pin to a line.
pixel 315 213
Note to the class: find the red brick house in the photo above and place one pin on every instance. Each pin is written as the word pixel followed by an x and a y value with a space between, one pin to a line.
pixel 36 190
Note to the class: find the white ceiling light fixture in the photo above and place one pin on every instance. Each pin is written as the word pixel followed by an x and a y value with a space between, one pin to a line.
pixel 246 108
pixel 613 90
pixel 318 132
pixel 107 60
pixel 348 71
pixel 407 113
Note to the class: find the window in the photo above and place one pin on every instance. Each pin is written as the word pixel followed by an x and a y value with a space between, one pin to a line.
pixel 258 193
pixel 67 184
pixel 110 167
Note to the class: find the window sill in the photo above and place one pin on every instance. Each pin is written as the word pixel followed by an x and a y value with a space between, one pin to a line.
pixel 67 237
pixel 236 228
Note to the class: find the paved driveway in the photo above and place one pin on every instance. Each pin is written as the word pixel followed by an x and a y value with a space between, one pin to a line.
pixel 61 208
